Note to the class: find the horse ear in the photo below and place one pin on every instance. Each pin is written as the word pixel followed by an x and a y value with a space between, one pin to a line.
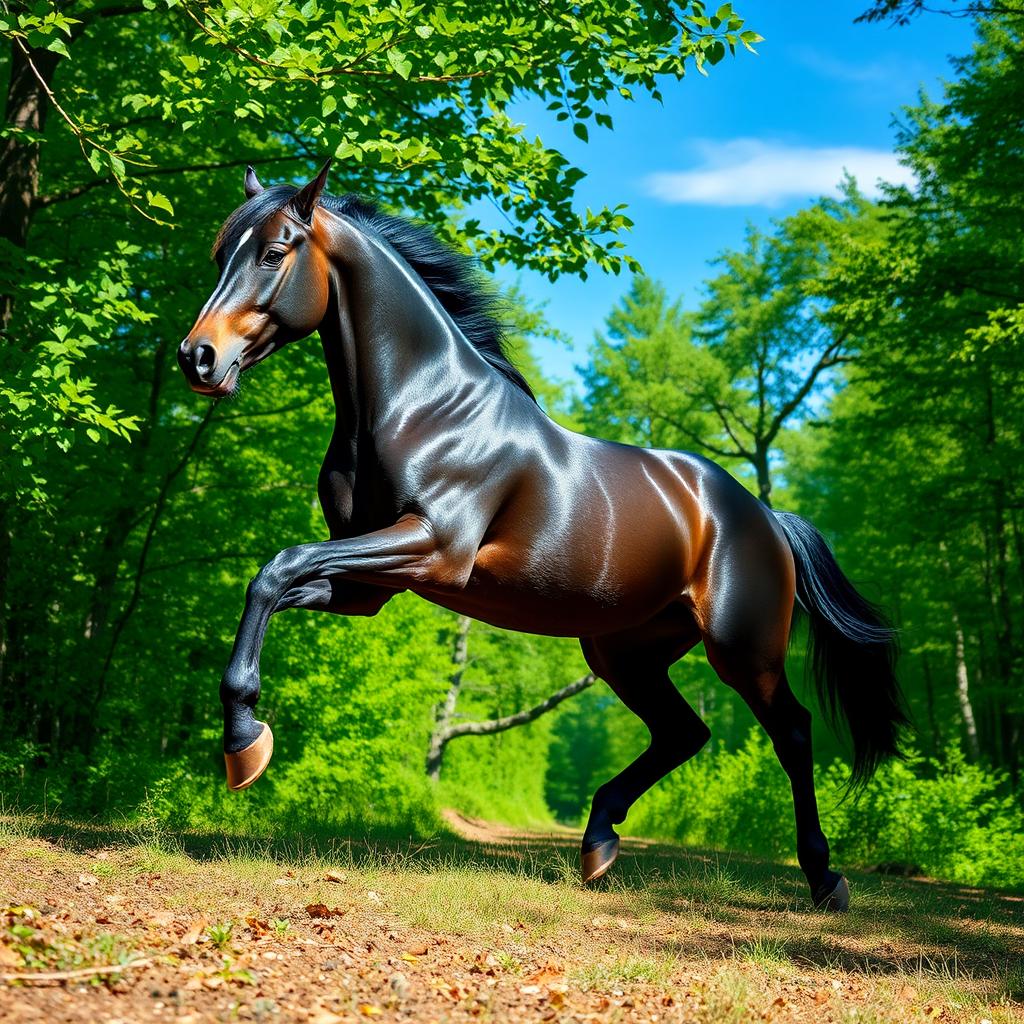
pixel 252 183
pixel 305 200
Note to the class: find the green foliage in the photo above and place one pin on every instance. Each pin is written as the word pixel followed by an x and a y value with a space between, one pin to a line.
pixel 728 378
pixel 950 818
pixel 47 397
pixel 413 100
pixel 504 774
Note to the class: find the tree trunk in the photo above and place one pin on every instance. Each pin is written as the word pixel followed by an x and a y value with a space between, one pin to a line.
pixel 26 109
pixel 764 477
pixel 446 711
pixel 929 689
pixel 963 695
pixel 1005 639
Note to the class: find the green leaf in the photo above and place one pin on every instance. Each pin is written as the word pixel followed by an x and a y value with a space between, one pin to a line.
pixel 160 201
pixel 401 64
pixel 329 105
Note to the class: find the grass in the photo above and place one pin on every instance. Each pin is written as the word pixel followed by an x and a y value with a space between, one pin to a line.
pixel 711 937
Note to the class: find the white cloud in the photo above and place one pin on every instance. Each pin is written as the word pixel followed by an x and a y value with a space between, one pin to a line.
pixel 887 70
pixel 752 172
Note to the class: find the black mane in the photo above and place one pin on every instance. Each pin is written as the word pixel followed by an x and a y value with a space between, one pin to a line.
pixel 450 275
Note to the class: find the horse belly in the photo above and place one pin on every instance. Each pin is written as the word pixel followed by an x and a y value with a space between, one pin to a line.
pixel 568 593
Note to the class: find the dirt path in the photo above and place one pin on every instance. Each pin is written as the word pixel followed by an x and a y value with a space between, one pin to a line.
pixel 97 927
pixel 477 830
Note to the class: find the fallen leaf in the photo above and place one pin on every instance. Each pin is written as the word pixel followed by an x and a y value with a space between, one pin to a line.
pixel 549 972
pixel 335 876
pixel 322 910
pixel 410 958
pixel 257 927
pixel 369 1010
pixel 374 897
pixel 8 958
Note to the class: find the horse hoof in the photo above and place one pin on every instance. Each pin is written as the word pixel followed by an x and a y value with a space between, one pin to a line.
pixel 247 765
pixel 838 900
pixel 594 864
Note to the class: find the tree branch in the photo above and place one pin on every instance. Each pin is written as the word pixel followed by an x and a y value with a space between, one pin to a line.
pixel 717 406
pixel 830 357
pixel 74 193
pixel 494 725
pixel 695 438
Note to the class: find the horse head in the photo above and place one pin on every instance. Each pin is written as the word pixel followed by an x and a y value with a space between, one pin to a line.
pixel 273 285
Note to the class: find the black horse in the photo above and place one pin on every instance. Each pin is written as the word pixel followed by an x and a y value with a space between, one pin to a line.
pixel 445 477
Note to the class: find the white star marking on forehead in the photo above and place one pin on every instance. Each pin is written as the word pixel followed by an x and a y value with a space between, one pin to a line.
pixel 245 238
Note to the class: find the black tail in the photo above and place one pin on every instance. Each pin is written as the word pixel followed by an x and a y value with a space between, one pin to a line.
pixel 852 651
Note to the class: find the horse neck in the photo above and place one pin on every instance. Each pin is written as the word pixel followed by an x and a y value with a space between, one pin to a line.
pixel 390 347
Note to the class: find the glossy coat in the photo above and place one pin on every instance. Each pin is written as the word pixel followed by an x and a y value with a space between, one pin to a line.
pixel 445 477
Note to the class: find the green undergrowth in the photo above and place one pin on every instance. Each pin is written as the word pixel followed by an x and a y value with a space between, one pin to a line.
pixel 941 817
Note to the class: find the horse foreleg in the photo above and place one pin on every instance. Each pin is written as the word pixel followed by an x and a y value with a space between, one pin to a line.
pixel 635 665
pixel 309 576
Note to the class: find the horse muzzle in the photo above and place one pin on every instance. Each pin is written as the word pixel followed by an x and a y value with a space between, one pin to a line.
pixel 206 372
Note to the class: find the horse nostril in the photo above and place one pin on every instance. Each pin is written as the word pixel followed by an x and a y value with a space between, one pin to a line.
pixel 206 359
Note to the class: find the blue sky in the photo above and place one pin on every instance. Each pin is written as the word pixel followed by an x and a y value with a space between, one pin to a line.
pixel 758 139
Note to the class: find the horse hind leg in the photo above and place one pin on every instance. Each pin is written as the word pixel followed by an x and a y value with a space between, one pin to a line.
pixel 635 665
pixel 788 724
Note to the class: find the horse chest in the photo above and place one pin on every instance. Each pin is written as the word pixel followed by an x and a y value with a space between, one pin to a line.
pixel 352 506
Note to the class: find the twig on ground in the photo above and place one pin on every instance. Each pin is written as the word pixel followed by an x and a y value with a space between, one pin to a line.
pixel 80 972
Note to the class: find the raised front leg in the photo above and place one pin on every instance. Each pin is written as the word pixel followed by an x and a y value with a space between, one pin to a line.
pixel 310 576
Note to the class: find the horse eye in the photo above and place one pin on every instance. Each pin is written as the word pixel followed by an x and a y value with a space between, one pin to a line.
pixel 272 258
